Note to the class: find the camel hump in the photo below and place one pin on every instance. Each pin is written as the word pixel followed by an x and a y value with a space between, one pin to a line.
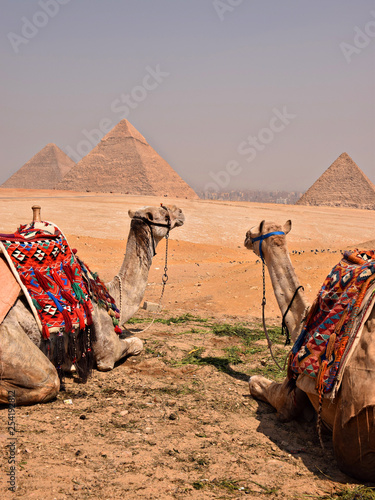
pixel 36 213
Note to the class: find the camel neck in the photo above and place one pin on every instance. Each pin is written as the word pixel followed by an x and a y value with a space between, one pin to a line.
pixel 285 283
pixel 134 272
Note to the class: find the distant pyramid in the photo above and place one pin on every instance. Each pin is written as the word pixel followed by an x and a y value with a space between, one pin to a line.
pixel 124 162
pixel 43 171
pixel 343 184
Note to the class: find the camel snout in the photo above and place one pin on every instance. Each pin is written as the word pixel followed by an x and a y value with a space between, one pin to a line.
pixel 247 243
pixel 180 218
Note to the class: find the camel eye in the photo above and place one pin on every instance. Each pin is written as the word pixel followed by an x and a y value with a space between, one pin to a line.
pixel 150 216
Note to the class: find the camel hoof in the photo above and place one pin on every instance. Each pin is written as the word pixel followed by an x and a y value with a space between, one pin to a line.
pixel 135 346
pixel 104 367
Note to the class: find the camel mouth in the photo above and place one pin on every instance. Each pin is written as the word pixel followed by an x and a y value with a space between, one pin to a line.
pixel 248 243
pixel 180 220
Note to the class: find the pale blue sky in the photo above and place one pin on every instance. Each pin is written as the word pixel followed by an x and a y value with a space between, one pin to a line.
pixel 225 74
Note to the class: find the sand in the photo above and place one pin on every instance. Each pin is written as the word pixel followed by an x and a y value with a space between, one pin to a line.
pixel 157 427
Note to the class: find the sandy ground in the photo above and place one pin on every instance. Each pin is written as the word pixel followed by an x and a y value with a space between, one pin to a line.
pixel 164 425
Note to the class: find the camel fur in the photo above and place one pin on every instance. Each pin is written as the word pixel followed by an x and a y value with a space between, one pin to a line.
pixel 351 414
pixel 25 370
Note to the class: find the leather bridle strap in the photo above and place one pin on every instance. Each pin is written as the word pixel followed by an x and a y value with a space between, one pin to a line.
pixel 264 237
pixel 150 223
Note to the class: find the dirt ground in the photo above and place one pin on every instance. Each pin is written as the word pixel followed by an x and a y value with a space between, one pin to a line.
pixel 177 421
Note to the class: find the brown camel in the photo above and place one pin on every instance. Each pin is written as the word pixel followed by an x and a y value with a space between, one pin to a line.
pixel 25 370
pixel 351 414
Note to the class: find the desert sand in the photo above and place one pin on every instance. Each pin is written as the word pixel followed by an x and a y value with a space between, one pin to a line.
pixel 157 428
pixel 210 269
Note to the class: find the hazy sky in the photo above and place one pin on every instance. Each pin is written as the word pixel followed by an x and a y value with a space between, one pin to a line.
pixel 257 94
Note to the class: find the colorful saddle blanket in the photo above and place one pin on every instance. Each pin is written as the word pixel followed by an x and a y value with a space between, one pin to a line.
pixel 58 286
pixel 333 320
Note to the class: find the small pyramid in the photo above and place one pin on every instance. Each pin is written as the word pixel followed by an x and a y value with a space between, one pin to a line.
pixel 124 162
pixel 343 184
pixel 43 171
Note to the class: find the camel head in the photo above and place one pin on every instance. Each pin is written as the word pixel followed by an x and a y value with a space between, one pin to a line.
pixel 160 220
pixel 267 234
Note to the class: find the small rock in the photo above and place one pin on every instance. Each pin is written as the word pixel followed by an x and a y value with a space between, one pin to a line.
pixel 124 412
pixel 82 417
pixel 150 306
pixel 173 416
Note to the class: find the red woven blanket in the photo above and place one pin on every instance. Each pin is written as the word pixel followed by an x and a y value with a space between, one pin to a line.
pixel 321 345
pixel 51 274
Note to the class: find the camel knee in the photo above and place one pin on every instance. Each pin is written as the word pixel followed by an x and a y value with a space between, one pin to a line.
pixel 27 392
pixel 354 444
pixel 51 387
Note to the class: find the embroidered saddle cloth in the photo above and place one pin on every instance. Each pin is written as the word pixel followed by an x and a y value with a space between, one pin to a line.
pixel 335 320
pixel 50 276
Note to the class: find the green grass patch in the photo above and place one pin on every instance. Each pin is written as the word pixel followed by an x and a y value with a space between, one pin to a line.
pixel 246 333
pixel 194 357
pixel 174 320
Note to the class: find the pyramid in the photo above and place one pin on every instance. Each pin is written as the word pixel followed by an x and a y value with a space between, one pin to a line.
pixel 124 162
pixel 43 171
pixel 343 184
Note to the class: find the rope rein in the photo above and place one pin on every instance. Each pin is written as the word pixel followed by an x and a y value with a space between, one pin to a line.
pixel 165 277
pixel 164 280
pixel 269 342
pixel 284 327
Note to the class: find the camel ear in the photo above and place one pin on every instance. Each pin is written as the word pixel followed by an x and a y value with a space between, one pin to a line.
pixel 131 213
pixel 287 226
pixel 261 226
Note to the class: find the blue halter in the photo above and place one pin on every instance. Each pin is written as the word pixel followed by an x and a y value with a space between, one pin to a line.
pixel 263 237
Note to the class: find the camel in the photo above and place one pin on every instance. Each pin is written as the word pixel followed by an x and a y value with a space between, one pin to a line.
pixel 27 374
pixel 351 414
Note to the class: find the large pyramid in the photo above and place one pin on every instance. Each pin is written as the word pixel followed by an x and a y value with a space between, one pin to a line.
pixel 343 184
pixel 124 162
pixel 43 171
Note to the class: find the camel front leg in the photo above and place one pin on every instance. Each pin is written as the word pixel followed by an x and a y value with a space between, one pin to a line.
pixel 25 371
pixel 288 403
pixel 108 347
